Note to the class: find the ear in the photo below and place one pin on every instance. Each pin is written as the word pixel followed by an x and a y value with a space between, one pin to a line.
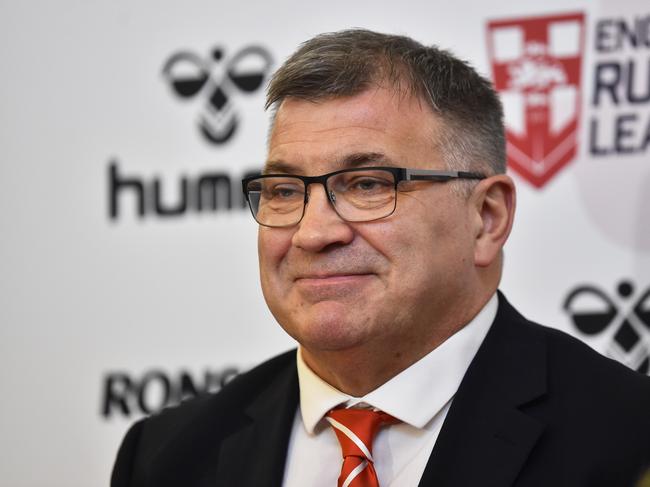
pixel 494 201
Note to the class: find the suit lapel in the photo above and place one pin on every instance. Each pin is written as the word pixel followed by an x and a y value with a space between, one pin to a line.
pixel 233 442
pixel 487 435
pixel 255 454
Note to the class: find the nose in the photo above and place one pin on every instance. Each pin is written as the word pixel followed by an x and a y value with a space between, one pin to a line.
pixel 320 226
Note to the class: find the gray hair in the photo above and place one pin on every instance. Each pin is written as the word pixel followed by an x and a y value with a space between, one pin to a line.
pixel 348 62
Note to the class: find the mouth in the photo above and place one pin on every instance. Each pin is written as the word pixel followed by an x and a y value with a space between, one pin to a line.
pixel 336 285
pixel 332 277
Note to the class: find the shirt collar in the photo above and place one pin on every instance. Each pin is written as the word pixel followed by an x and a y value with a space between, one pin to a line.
pixel 415 395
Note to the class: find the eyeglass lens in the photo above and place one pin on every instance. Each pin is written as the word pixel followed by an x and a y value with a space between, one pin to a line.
pixel 356 196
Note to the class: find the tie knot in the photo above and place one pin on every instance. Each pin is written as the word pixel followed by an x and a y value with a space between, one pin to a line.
pixel 356 429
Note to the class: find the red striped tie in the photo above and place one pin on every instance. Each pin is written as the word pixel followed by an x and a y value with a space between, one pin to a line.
pixel 355 430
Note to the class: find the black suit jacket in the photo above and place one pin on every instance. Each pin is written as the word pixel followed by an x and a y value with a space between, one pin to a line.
pixel 535 408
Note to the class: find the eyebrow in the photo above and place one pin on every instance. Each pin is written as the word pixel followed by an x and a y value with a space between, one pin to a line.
pixel 349 161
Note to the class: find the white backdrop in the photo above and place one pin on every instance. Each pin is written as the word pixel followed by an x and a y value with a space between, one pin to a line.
pixel 86 298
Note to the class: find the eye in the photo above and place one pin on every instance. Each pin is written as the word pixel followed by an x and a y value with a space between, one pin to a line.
pixel 368 184
pixel 284 191
pixel 362 182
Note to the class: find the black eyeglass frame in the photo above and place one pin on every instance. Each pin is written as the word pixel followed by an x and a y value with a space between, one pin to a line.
pixel 399 174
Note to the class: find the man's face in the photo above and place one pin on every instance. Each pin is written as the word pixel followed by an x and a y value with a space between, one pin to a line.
pixel 385 284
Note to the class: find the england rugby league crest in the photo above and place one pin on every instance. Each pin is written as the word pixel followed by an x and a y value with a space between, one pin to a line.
pixel 536 64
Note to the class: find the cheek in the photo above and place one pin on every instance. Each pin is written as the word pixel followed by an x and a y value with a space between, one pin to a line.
pixel 272 246
pixel 405 249
pixel 424 252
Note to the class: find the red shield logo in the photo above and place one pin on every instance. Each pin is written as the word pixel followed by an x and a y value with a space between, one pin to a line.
pixel 536 64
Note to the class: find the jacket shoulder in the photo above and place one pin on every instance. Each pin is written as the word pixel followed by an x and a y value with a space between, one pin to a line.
pixel 594 410
pixel 202 420
pixel 594 398
pixel 234 396
pixel 572 361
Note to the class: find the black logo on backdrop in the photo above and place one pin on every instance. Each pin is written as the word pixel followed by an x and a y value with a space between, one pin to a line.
pixel 215 80
pixel 124 394
pixel 210 191
pixel 626 314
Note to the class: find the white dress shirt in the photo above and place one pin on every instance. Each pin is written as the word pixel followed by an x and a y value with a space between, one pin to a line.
pixel 419 397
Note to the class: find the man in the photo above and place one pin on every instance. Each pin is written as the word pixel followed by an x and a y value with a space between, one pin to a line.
pixel 383 210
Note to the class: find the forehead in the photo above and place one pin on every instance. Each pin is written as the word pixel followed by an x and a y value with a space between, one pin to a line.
pixel 314 137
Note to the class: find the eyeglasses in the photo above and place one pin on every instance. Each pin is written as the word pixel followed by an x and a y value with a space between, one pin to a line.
pixel 357 195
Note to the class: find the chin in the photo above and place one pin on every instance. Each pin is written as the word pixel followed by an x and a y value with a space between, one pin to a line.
pixel 327 327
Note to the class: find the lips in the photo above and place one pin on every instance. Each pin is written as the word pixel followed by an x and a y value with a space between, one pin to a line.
pixel 330 275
